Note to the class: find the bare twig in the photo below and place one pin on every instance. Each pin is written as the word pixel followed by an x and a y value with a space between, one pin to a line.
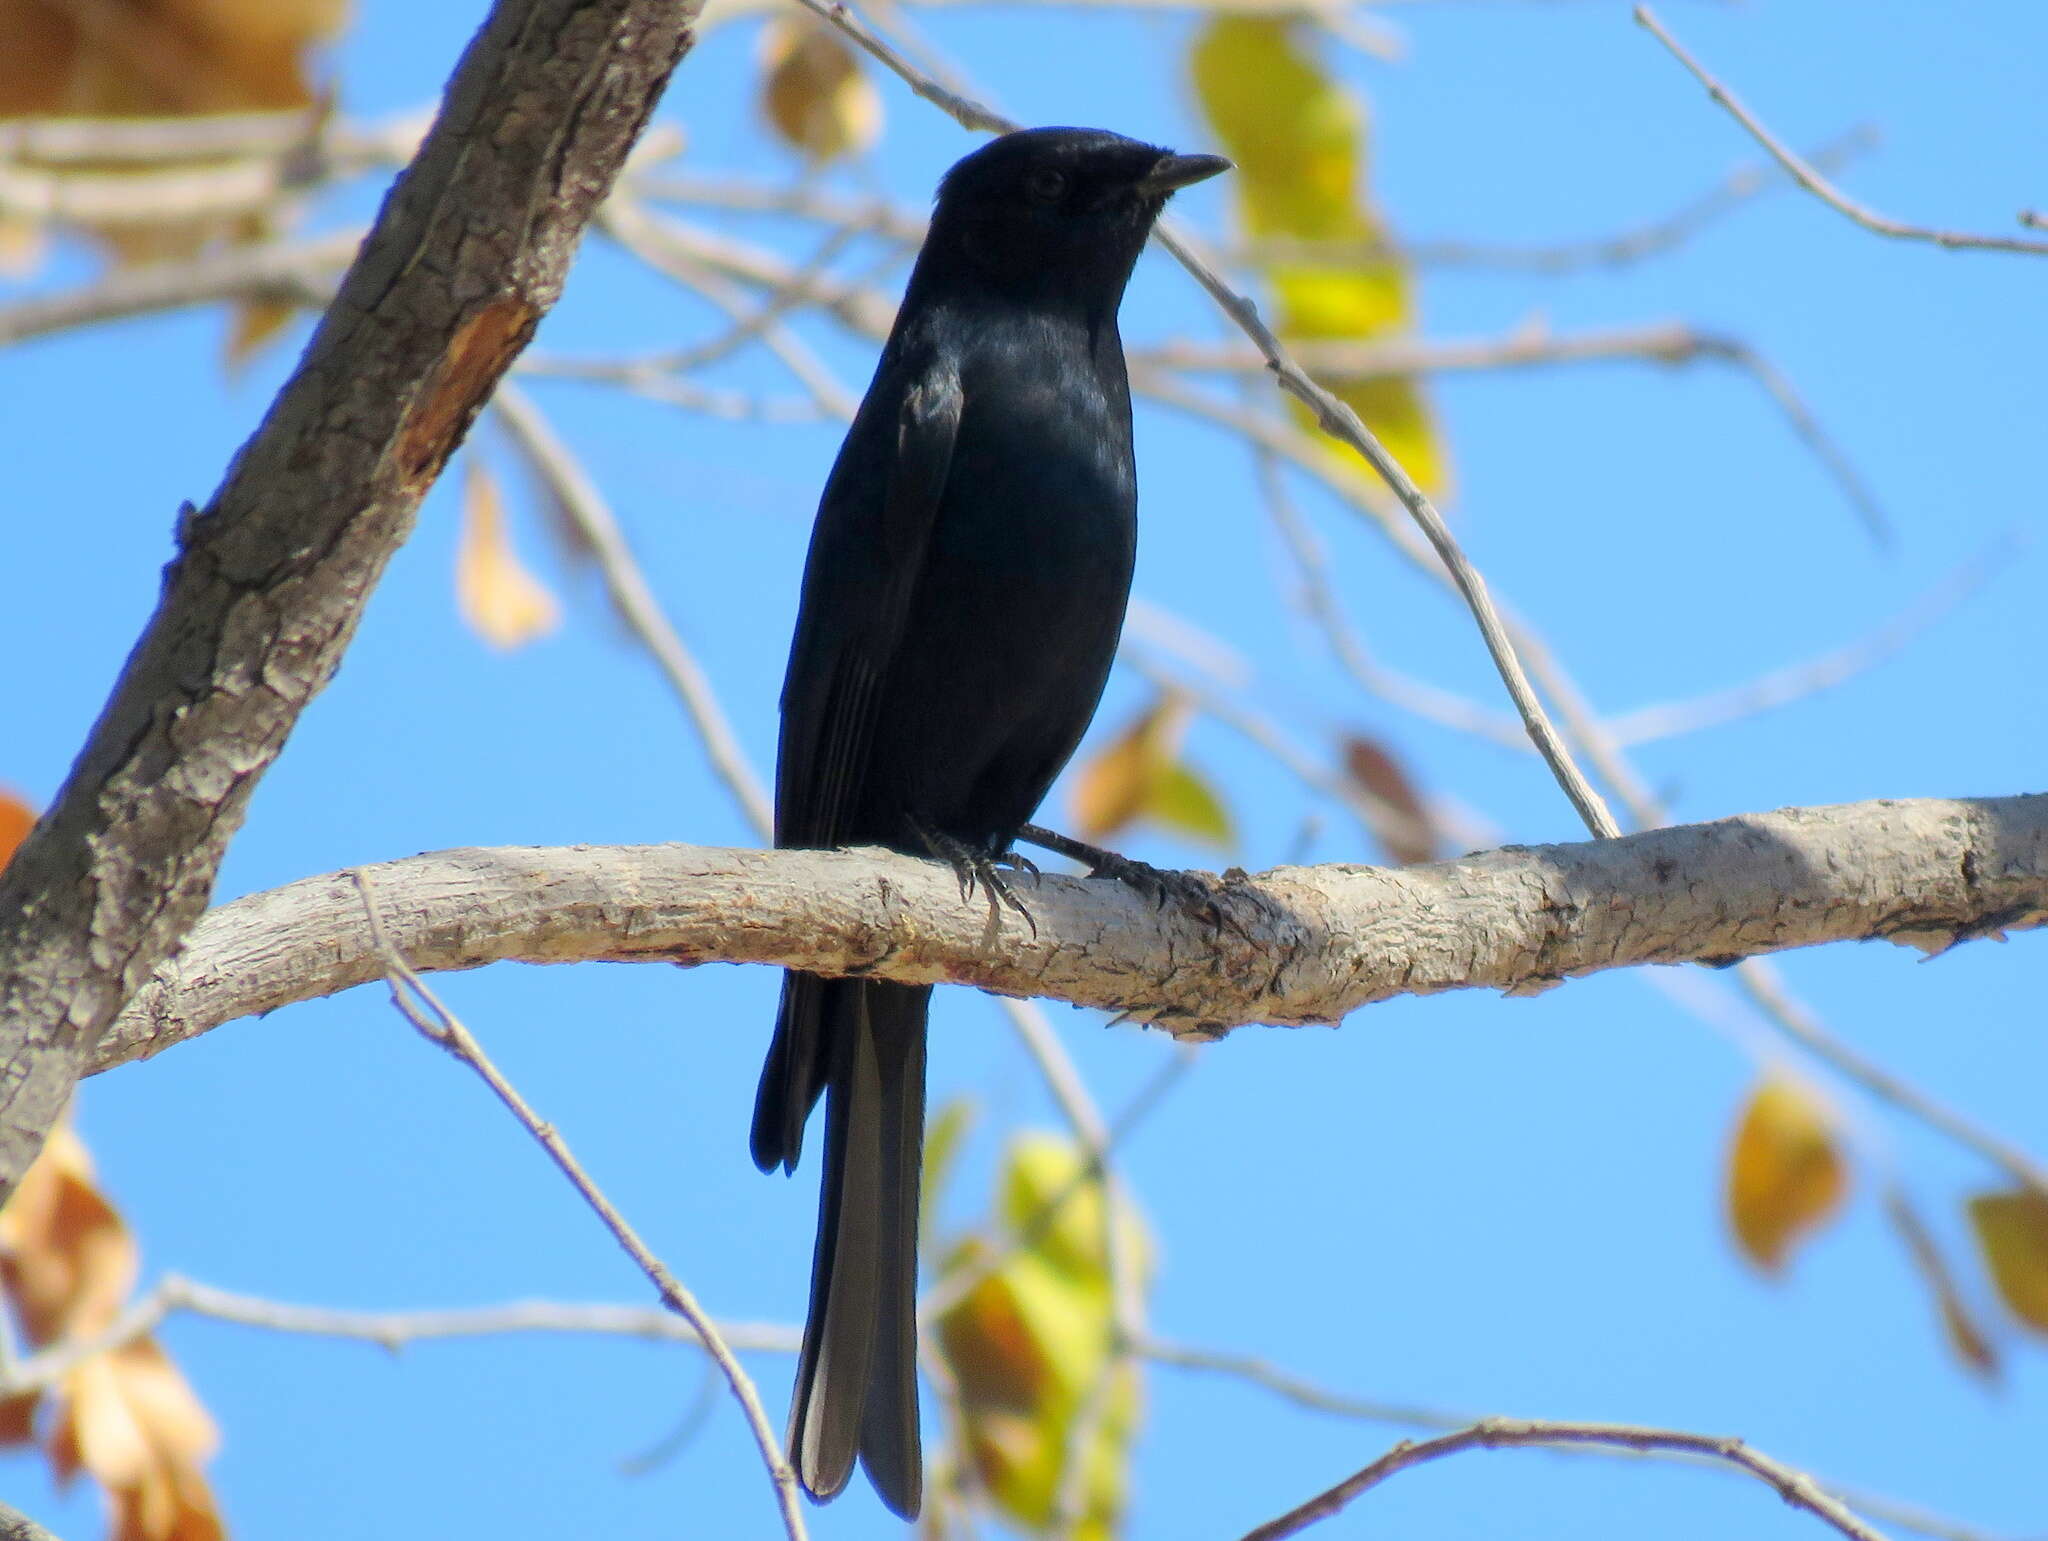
pixel 1797 681
pixel 1794 1486
pixel 418 1004
pixel 1304 1393
pixel 1651 239
pixel 585 507
pixel 1807 177
pixel 302 271
pixel 1536 346
pixel 643 233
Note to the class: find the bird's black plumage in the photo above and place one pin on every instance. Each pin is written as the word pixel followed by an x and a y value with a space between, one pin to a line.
pixel 961 604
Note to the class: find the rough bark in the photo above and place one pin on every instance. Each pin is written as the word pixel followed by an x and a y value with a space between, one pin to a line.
pixel 467 253
pixel 1294 945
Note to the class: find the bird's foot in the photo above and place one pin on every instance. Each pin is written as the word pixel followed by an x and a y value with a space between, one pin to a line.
pixel 975 867
pixel 1195 894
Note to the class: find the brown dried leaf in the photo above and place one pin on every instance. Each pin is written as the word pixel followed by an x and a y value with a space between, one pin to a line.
pixel 502 602
pixel 814 93
pixel 253 324
pixel 131 1422
pixel 1398 817
pixel 66 1259
pixel 2012 1229
pixel 1971 1343
pixel 1785 1175
pixel 18 1419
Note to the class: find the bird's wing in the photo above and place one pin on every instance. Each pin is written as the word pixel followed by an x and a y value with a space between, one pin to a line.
pixel 857 595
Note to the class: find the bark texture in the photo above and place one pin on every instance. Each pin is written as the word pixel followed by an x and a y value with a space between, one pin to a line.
pixel 1294 945
pixel 467 253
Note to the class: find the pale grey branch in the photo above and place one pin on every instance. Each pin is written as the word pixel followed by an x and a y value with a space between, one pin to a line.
pixel 1300 944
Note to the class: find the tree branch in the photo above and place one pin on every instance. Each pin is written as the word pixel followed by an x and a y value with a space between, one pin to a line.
pixel 1296 945
pixel 468 252
pixel 1794 1486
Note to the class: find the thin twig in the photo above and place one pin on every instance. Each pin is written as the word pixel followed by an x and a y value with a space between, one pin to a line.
pixel 1796 682
pixel 1794 1486
pixel 302 271
pixel 642 232
pixel 1289 1387
pixel 1807 177
pixel 394 1330
pixel 1536 346
pixel 1651 239
pixel 410 994
pixel 585 507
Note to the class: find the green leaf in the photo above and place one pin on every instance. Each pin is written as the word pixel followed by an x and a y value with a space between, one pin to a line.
pixel 1184 801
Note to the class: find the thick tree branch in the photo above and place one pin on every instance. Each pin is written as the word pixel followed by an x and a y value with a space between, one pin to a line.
pixel 468 252
pixel 1297 944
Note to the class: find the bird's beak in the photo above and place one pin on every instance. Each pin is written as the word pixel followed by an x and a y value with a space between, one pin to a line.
pixel 1177 171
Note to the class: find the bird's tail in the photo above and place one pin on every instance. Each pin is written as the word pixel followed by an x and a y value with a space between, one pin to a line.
pixel 856 1379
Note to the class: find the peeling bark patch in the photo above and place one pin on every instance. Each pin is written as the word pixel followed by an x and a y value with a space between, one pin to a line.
pixel 480 352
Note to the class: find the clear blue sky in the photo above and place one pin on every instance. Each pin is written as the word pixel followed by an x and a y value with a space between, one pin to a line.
pixel 1493 1205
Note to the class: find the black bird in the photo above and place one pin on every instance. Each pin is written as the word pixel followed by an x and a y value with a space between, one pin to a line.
pixel 965 588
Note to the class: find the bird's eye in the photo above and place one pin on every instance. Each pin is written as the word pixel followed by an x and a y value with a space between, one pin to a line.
pixel 1047 185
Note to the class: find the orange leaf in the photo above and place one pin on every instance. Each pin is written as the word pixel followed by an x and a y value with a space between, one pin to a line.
pixel 1970 1342
pixel 1784 1174
pixel 2012 1228
pixel 1119 780
pixel 1395 813
pixel 16 820
pixel 503 602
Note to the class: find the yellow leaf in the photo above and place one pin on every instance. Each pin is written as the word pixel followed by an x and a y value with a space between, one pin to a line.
pixel 22 246
pixel 2012 1228
pixel 1298 138
pixel 1029 1343
pixel 1971 1343
pixel 1784 1174
pixel 1184 801
pixel 253 324
pixel 502 602
pixel 814 93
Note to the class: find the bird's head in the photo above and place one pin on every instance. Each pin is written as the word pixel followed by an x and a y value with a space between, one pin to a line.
pixel 1060 211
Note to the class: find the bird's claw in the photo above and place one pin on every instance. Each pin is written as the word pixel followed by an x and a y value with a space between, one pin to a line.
pixel 1193 894
pixel 974 867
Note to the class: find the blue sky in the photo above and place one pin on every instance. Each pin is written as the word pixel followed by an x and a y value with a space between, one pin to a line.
pixel 1480 1204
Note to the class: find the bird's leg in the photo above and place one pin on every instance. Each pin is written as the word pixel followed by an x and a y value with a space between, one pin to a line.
pixel 972 865
pixel 1183 888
